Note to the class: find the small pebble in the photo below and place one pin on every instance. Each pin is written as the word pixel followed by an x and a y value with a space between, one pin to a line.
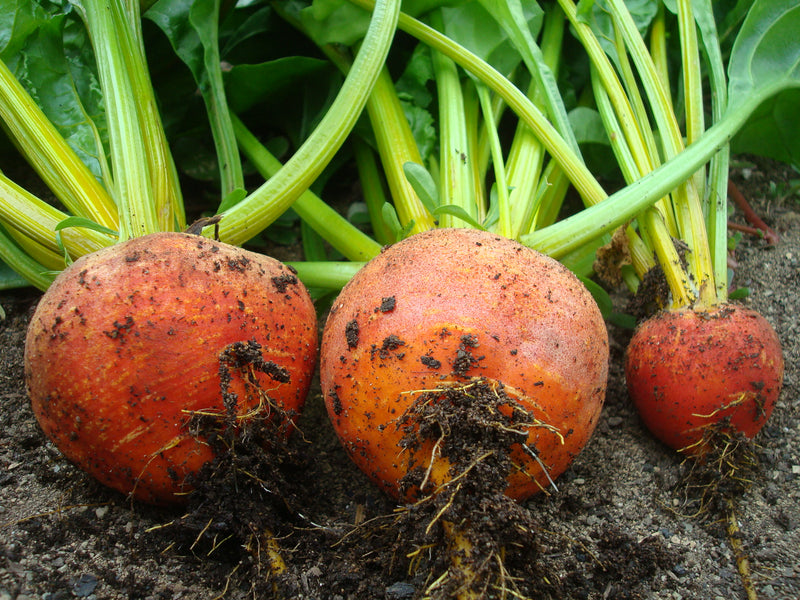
pixel 85 585
pixel 400 591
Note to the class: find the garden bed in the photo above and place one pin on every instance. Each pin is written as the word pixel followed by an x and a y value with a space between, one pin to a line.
pixel 616 527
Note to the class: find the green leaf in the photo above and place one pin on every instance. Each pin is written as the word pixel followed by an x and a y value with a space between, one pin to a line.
pixel 339 22
pixel 600 296
pixel 739 293
pixel 457 211
pixel 588 126
pixel 390 218
pixel 249 85
pixel 232 199
pixel 597 14
pixel 412 85
pixel 50 54
pixel 623 320
pixel 86 224
pixel 474 27
pixel 422 181
pixel 772 129
pixel 9 280
pixel 766 59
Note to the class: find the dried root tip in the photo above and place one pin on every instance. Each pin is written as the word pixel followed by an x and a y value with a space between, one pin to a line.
pixel 742 562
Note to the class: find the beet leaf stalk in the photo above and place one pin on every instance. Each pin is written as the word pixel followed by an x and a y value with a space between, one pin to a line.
pixel 276 195
pixel 137 192
pixel 685 367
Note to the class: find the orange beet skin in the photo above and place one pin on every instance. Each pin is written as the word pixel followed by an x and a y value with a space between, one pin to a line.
pixel 688 370
pixel 126 343
pixel 448 306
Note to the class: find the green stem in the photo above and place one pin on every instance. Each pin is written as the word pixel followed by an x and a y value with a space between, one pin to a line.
pixel 510 16
pixel 654 230
pixel 686 201
pixel 574 231
pixel 49 154
pixel 21 262
pixel 692 81
pixel 37 220
pixel 268 202
pixel 113 44
pixel 338 231
pixel 396 147
pixel 213 91
pixel 628 122
pixel 497 161
pixel 167 195
pixel 526 156
pixel 580 176
pixel 330 275
pixel 478 145
pixel 716 201
pixel 455 155
pixel 372 187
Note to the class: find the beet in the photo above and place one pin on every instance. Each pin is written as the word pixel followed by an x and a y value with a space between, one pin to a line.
pixel 141 353
pixel 445 313
pixel 688 371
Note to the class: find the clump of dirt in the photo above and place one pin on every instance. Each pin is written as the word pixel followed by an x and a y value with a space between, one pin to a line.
pixel 248 492
pixel 463 537
pixel 722 474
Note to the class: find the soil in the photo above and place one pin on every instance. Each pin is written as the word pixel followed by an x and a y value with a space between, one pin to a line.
pixel 303 522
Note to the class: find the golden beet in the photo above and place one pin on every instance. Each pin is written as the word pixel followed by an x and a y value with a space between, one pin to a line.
pixel 133 341
pixel 451 308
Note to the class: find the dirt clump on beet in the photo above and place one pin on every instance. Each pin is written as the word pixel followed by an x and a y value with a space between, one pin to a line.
pixel 464 538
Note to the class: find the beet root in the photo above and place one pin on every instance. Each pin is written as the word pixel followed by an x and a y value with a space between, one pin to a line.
pixel 446 310
pixel 690 373
pixel 141 352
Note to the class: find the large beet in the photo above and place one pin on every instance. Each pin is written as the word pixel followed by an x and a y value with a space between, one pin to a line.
pixel 452 308
pixel 131 344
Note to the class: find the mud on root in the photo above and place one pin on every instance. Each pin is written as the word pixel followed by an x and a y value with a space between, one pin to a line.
pixel 249 492
pixel 466 539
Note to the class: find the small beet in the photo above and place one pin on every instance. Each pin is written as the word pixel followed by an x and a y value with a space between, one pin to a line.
pixel 690 370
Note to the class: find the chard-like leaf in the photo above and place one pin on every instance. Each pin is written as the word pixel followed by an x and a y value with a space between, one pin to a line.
pixel 772 130
pixel 340 22
pixel 597 14
pixel 392 221
pixel 252 85
pixel 232 198
pixel 193 29
pixel 492 30
pixel 86 224
pixel 457 211
pixel 46 49
pixel 765 60
pixel 61 84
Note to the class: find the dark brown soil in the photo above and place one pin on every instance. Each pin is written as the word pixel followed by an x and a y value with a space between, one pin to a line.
pixel 617 527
